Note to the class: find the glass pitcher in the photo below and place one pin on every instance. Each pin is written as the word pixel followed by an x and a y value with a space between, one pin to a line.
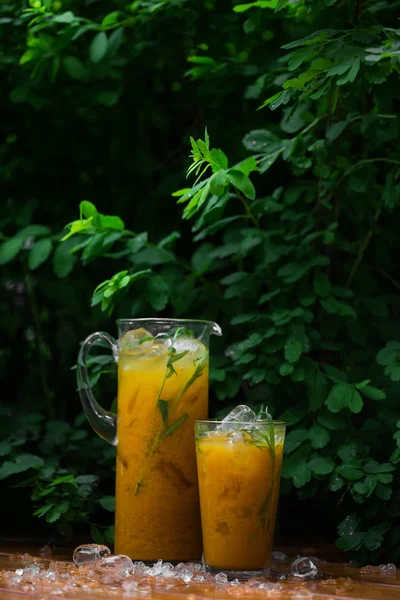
pixel 162 391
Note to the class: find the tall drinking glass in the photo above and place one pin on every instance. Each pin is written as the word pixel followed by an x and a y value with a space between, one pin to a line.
pixel 162 389
pixel 239 469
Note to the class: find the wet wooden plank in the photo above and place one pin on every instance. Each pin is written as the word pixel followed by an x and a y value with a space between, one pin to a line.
pixel 335 580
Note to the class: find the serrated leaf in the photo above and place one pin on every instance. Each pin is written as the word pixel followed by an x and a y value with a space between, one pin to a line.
pixel 331 421
pixel 351 74
pixel 19 464
pixel 158 292
pixel 294 439
pixel 321 465
pixel 293 349
pixel 350 542
pixel 318 436
pixel 351 470
pixel 339 397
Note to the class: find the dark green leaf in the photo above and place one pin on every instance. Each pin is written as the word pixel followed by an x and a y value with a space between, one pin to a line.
pixel 318 436
pixel 241 182
pixel 293 349
pixel 294 439
pixel 108 503
pixel 321 465
pixel 163 406
pixel 317 387
pixel 63 260
pixel 339 397
pixel 21 463
pixel 335 130
pixel 356 402
pixel 350 470
pixel 10 249
pixel 158 292
pixel 260 140
pixel 74 67
pixel 98 47
pixel 322 285
pixel 218 182
pixel 39 253
pixel 175 425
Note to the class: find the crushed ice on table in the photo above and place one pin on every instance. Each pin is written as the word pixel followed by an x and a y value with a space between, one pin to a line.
pixel 277 555
pixel 90 553
pixel 303 567
pixel 240 417
pixel 389 568
pixel 235 582
pixel 221 579
pixel 114 565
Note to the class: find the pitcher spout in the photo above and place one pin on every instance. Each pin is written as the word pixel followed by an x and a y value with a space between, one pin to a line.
pixel 216 329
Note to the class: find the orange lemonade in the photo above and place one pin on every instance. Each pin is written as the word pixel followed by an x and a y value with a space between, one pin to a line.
pixel 162 390
pixel 239 473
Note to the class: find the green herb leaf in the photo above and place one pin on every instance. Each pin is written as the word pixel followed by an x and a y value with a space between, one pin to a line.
pixel 163 406
pixel 175 425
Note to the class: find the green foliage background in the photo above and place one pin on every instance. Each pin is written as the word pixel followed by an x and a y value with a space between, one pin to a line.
pixel 288 237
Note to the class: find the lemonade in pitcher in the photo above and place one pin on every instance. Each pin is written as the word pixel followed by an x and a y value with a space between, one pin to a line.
pixel 162 390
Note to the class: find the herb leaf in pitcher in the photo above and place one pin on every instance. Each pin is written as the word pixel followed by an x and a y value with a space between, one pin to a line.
pixel 175 425
pixel 163 406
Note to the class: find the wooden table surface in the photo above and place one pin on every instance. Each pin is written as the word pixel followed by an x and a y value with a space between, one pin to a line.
pixel 335 580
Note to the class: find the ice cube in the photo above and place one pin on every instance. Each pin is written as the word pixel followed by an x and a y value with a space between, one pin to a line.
pixel 237 436
pixel 139 567
pixel 19 572
pixel 389 568
pixel 276 555
pixel 168 570
pixel 195 352
pixel 139 343
pixel 241 417
pixel 221 579
pixel 235 582
pixel 303 567
pixel 129 585
pixel 90 553
pixel 157 568
pixel 115 565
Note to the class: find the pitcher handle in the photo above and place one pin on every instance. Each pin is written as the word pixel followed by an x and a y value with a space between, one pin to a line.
pixel 103 422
